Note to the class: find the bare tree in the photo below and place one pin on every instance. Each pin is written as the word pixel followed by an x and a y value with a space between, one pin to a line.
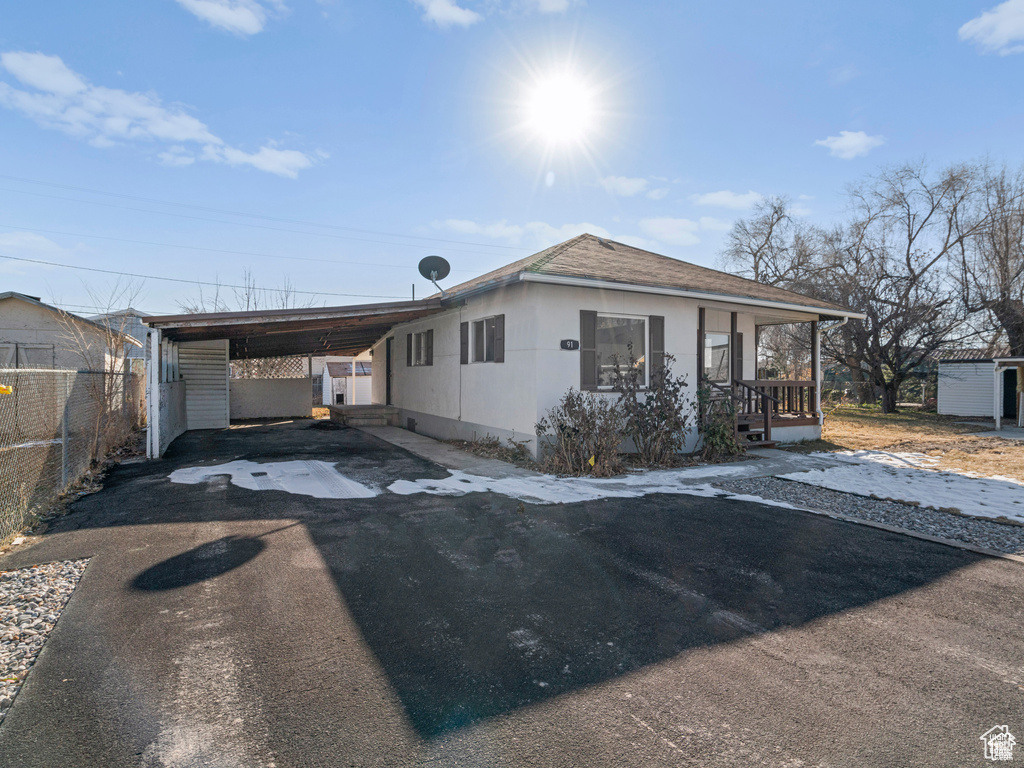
pixel 992 262
pixel 891 260
pixel 102 347
pixel 249 298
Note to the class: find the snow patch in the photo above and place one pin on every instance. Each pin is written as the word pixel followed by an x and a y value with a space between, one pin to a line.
pixel 912 478
pixel 548 489
pixel 305 478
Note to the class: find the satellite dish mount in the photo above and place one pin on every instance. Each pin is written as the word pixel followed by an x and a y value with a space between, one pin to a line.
pixel 435 268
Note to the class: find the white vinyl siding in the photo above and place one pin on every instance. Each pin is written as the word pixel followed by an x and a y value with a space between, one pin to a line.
pixel 965 389
pixel 204 368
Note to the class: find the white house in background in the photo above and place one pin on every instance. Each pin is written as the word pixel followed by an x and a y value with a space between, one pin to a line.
pixel 507 345
pixel 979 383
pixel 348 380
pixel 129 322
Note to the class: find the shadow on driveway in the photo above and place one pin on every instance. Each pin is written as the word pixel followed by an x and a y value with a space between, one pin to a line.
pixel 476 606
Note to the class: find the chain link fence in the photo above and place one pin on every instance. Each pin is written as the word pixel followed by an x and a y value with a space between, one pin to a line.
pixel 53 425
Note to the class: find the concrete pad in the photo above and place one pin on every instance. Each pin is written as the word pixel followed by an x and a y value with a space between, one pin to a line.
pixel 1007 433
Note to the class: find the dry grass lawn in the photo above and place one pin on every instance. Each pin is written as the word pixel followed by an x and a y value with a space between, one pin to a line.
pixel 854 428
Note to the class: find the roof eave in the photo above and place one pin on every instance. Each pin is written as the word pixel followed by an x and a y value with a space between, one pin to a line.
pixel 587 282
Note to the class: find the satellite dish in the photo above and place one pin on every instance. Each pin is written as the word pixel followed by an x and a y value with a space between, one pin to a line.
pixel 435 268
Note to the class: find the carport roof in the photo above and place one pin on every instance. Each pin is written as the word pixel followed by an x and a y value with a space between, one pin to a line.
pixel 307 330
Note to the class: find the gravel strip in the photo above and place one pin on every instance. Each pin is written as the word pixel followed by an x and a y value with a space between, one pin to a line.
pixel 31 601
pixel 980 533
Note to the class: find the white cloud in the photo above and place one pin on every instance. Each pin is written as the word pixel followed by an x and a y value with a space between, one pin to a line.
pixel 672 231
pixel 623 186
pixel 1000 30
pixel 65 101
pixel 548 6
pixel 243 17
pixel 658 194
pixel 713 224
pixel 736 201
pixel 445 13
pixel 850 144
pixel 842 75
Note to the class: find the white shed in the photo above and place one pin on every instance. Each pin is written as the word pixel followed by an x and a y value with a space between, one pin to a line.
pixel 967 386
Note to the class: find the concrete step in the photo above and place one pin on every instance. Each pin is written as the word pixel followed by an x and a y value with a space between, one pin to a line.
pixel 364 415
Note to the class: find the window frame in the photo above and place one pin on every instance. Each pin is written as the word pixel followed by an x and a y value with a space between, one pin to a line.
pixel 728 357
pixel 646 319
pixel 419 357
pixel 478 328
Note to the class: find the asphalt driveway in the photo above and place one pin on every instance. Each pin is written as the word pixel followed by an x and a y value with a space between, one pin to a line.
pixel 220 626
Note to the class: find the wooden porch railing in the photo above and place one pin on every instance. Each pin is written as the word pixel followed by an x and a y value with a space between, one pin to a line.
pixel 795 398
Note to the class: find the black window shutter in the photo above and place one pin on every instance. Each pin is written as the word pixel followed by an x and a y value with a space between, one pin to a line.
pixel 657 342
pixel 499 338
pixel 737 357
pixel 700 346
pixel 428 353
pixel 408 349
pixel 588 350
pixel 464 343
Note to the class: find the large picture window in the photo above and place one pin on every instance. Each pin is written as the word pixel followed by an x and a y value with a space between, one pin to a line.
pixel 716 357
pixel 617 338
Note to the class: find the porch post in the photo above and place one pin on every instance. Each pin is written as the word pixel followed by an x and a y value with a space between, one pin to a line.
pixel 816 369
pixel 700 345
pixel 155 370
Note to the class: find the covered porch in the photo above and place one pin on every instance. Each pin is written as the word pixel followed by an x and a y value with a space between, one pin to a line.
pixel 763 408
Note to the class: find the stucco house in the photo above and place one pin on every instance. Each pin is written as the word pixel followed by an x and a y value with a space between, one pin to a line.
pixel 508 344
pixel 492 355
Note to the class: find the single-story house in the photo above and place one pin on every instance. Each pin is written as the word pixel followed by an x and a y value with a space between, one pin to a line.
pixel 34 334
pixel 973 382
pixel 492 355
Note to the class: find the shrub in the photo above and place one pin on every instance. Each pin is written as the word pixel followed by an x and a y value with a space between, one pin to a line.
pixel 656 417
pixel 716 424
pixel 581 428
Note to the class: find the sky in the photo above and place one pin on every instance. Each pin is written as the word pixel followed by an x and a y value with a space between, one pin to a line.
pixel 329 145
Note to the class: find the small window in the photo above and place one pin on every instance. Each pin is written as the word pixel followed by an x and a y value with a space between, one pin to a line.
pixel 483 340
pixel 423 348
pixel 716 357
pixel 618 340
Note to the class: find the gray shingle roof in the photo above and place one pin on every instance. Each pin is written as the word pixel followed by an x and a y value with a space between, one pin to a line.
pixel 587 256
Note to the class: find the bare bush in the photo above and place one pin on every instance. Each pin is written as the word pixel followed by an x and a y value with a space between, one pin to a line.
pixel 581 436
pixel 655 417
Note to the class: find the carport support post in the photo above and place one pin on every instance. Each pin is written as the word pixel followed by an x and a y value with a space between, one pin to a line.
pixel 997 400
pixel 155 369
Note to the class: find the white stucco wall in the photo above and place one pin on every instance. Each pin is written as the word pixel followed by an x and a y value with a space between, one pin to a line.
pixel 270 398
pixel 449 400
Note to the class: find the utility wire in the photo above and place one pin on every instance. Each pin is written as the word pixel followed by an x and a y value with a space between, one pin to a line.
pixel 192 282
pixel 227 212
pixel 213 250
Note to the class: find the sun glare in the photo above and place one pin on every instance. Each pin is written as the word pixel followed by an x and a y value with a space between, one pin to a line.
pixel 561 109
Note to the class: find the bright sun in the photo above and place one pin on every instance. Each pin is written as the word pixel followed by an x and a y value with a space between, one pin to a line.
pixel 561 109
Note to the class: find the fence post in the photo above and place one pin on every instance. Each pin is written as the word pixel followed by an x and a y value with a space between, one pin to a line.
pixel 64 432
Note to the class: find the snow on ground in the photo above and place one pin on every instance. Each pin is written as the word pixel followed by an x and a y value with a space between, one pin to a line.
pixel 308 478
pixel 548 489
pixel 912 478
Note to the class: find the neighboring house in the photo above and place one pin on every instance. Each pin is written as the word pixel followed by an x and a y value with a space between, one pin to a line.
pixel 492 355
pixel 37 335
pixel 514 340
pixel 976 382
pixel 347 380
pixel 129 322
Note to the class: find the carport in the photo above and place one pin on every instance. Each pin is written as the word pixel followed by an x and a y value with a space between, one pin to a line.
pixel 188 383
